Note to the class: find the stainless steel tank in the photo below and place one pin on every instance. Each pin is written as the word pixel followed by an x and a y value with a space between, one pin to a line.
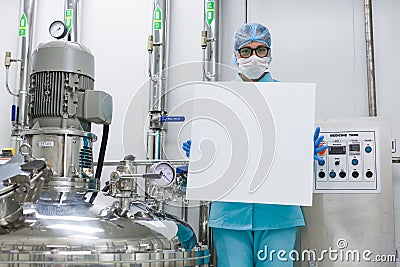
pixel 65 230
pixel 72 223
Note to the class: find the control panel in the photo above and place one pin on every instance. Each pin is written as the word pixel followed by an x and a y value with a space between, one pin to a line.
pixel 350 163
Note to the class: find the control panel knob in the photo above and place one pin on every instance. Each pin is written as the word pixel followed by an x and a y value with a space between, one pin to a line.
pixel 321 174
pixel 354 161
pixel 337 162
pixel 342 174
pixel 368 149
pixel 369 174
pixel 332 174
pixel 355 174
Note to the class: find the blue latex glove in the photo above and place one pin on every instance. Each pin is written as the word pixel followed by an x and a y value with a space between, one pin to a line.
pixel 186 146
pixel 317 149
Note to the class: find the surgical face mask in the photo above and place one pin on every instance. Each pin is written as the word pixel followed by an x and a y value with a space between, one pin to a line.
pixel 253 66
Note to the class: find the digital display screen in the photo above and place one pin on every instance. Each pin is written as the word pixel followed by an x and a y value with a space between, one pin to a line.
pixel 354 147
pixel 337 150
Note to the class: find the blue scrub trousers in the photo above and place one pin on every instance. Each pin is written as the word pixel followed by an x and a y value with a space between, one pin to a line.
pixel 240 247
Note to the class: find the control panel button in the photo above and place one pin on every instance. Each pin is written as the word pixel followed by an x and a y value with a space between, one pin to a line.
pixel 369 174
pixel 368 149
pixel 321 174
pixel 355 174
pixel 354 161
pixel 332 174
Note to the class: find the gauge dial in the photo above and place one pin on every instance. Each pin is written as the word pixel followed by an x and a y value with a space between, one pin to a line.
pixel 167 173
pixel 58 29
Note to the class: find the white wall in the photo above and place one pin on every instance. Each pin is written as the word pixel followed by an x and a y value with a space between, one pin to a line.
pixel 318 41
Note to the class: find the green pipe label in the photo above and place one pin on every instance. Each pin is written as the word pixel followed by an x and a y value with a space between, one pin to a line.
pixel 22 25
pixel 157 18
pixel 68 18
pixel 210 12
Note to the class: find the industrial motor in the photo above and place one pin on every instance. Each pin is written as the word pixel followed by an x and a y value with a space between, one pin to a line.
pixel 62 105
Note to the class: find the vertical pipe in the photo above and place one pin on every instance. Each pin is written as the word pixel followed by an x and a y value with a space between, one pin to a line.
pixel 369 37
pixel 184 211
pixel 210 45
pixel 158 63
pixel 210 39
pixel 27 31
pixel 203 222
pixel 245 11
pixel 75 8
pixel 157 96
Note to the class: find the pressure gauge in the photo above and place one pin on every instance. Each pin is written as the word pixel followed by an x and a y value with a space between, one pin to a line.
pixel 167 173
pixel 58 29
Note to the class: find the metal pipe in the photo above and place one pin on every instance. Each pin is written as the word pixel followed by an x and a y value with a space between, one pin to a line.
pixel 26 40
pixel 245 10
pixel 184 211
pixel 72 19
pixel 210 46
pixel 157 47
pixel 203 222
pixel 370 58
pixel 144 162
pixel 159 63
pixel 210 39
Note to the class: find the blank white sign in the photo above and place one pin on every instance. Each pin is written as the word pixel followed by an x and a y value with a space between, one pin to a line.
pixel 252 142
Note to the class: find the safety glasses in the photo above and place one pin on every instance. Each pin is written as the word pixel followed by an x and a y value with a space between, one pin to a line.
pixel 261 51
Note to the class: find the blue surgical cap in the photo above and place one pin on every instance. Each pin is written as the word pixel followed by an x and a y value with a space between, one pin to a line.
pixel 247 33
pixel 251 32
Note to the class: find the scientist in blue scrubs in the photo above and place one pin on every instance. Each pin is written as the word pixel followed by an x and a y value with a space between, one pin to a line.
pixel 243 230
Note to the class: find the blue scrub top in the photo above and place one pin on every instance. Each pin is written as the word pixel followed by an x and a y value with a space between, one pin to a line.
pixel 252 216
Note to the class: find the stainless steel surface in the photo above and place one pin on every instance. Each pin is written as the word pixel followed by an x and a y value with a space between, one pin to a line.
pixel 74 33
pixel 245 11
pixel 144 162
pixel 157 48
pixel 369 37
pixel 203 222
pixel 8 87
pixel 210 43
pixel 155 143
pixel 64 229
pixel 185 211
pixel 155 150
pixel 20 183
pixel 159 64
pixel 68 153
pixel 27 7
pixel 7 63
pixel 210 46
pixel 364 221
